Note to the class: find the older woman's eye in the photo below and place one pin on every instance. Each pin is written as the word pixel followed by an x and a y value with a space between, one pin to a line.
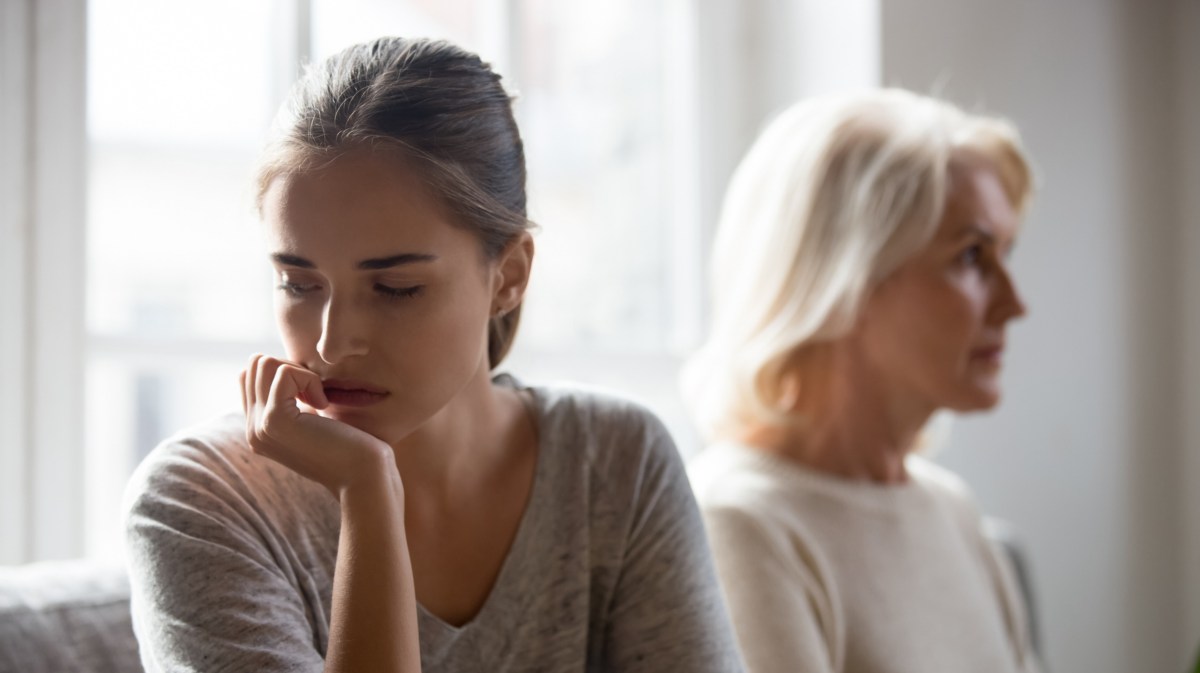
pixel 971 256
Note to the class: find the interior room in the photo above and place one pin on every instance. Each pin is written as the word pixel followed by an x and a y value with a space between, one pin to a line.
pixel 134 288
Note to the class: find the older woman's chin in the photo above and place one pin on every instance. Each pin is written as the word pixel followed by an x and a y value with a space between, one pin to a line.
pixel 981 396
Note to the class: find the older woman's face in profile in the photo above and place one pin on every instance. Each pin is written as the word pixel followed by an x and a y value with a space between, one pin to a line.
pixel 935 329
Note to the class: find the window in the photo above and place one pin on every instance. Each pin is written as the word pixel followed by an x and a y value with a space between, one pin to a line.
pixel 178 289
pixel 129 250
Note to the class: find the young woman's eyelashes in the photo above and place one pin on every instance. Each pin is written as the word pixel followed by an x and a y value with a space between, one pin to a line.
pixel 299 289
pixel 295 289
pixel 390 292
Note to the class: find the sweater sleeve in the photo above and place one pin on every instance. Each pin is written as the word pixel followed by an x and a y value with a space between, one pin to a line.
pixel 666 612
pixel 1016 612
pixel 782 614
pixel 995 558
pixel 208 593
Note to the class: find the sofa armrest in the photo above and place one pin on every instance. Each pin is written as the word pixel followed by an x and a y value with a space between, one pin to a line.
pixel 66 616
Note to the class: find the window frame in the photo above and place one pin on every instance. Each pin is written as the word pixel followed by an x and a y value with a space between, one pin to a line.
pixel 45 495
pixel 43 182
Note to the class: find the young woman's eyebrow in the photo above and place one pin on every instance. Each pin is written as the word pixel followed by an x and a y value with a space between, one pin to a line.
pixel 292 260
pixel 372 264
pixel 395 260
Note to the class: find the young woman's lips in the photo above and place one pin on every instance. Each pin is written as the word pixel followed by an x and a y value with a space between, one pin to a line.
pixel 345 393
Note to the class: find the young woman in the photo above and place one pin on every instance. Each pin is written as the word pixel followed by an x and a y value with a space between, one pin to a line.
pixel 861 284
pixel 385 503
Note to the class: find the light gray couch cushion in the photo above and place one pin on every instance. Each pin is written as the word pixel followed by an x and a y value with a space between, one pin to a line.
pixel 68 616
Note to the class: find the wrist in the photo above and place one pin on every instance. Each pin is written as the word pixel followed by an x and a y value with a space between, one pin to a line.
pixel 375 481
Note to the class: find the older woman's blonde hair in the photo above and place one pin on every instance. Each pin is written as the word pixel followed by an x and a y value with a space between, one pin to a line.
pixel 834 195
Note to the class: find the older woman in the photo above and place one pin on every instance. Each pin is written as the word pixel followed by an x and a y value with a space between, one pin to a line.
pixel 861 284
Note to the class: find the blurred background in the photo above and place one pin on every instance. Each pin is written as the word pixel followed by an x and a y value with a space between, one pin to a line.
pixel 133 286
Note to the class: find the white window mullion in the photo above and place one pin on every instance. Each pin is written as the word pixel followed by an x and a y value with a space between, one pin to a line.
pixel 293 48
pixel 687 229
pixel 56 273
pixel 15 19
pixel 497 27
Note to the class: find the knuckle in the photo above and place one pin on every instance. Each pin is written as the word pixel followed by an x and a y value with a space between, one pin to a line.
pixel 256 441
pixel 268 426
pixel 273 425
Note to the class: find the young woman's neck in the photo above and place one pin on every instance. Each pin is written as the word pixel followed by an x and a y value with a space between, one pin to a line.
pixel 463 444
pixel 860 431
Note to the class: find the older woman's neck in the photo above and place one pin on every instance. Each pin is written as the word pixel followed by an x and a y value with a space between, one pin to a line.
pixel 859 432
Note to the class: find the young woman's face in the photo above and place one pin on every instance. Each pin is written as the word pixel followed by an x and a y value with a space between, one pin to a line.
pixel 934 329
pixel 378 292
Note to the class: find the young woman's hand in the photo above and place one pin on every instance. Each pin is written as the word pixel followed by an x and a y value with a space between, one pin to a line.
pixel 329 452
pixel 373 624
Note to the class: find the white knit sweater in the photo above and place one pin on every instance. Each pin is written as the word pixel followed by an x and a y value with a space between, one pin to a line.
pixel 825 575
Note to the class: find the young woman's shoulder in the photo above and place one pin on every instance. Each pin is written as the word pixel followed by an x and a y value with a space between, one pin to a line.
pixel 198 457
pixel 607 430
pixel 207 475
pixel 192 459
pixel 619 491
pixel 230 555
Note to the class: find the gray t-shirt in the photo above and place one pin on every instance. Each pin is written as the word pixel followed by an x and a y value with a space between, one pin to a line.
pixel 232 557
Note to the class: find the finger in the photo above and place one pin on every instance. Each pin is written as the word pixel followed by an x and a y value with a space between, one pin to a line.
pixel 281 400
pixel 312 391
pixel 242 390
pixel 282 408
pixel 250 380
pixel 267 367
pixel 297 380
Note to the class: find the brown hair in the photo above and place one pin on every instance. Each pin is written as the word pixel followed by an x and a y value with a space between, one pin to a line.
pixel 433 103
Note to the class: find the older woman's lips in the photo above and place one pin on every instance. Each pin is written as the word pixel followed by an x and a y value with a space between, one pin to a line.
pixel 990 355
pixel 353 393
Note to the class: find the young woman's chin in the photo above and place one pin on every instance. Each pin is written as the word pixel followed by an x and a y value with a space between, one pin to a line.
pixel 367 420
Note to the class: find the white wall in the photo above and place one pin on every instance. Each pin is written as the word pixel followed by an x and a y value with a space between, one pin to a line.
pixel 755 57
pixel 1086 451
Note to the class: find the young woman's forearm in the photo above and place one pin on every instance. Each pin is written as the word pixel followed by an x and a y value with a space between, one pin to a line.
pixel 374 622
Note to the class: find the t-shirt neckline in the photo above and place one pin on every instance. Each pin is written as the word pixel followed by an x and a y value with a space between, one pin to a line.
pixel 518 551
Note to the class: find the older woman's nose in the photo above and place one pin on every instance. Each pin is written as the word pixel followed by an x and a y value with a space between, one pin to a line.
pixel 1007 303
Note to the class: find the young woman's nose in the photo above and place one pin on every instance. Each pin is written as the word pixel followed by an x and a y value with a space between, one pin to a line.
pixel 343 331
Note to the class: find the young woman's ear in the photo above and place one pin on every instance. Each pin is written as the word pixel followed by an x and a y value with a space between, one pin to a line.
pixel 512 274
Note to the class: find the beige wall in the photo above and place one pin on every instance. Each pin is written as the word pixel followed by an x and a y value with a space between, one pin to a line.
pixel 1093 453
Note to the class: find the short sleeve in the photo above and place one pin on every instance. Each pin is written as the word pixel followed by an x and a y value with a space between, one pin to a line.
pixel 208 591
pixel 781 613
pixel 667 613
